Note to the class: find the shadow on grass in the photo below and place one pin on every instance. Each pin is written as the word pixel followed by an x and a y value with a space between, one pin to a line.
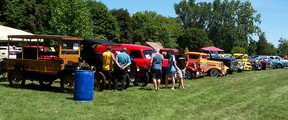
pixel 32 86
pixel 145 88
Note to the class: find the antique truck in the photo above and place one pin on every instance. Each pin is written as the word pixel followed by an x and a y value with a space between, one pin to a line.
pixel 35 63
pixel 243 59
pixel 210 67
pixel 232 63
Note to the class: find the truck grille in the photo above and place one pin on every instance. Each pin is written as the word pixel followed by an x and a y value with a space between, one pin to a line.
pixel 234 65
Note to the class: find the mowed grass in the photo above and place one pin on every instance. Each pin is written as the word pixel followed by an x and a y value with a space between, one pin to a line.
pixel 247 95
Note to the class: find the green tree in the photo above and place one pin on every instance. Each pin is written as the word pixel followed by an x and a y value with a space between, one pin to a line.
pixel 152 27
pixel 263 47
pixel 272 49
pixel 283 46
pixel 104 23
pixel 70 17
pixel 3 4
pixel 192 14
pixel 194 39
pixel 28 15
pixel 124 20
pixel 252 47
pixel 229 23
pixel 174 30
pixel 237 49
pixel 145 28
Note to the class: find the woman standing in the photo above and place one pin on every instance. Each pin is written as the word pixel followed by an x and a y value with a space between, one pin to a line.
pixel 171 69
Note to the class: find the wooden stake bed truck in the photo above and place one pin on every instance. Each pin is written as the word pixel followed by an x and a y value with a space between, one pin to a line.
pixel 33 63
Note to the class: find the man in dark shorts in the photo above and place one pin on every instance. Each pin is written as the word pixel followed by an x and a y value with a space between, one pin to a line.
pixel 182 63
pixel 156 68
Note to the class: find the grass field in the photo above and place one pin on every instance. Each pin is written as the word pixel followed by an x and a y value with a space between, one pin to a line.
pixel 247 95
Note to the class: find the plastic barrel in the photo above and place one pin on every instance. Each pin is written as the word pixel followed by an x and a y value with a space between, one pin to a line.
pixel 84 85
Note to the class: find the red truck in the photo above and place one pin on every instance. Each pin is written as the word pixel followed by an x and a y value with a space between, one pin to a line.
pixel 139 54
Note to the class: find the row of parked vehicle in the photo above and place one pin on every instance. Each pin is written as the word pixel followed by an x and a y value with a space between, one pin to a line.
pixel 44 63
pixel 259 62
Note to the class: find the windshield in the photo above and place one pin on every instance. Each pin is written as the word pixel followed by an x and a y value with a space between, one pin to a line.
pixel 147 53
pixel 215 54
pixel 70 47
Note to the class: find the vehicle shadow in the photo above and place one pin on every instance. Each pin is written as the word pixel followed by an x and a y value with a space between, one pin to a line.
pixel 38 87
pixel 33 86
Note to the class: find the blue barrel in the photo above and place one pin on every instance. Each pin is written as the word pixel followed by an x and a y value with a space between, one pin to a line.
pixel 84 85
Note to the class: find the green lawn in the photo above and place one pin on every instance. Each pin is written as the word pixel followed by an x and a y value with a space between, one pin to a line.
pixel 247 95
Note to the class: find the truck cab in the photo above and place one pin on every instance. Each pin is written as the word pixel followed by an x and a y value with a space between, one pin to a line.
pixel 210 67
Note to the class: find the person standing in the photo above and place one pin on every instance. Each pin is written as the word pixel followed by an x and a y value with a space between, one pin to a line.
pixel 156 68
pixel 108 60
pixel 182 63
pixel 171 69
pixel 123 60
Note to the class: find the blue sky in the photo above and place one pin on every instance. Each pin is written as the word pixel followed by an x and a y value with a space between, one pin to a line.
pixel 274 13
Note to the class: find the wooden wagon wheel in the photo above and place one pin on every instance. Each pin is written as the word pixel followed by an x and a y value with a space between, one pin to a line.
pixel 99 81
pixel 67 83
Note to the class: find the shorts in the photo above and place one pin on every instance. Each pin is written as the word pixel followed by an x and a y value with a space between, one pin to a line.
pixel 156 74
pixel 181 73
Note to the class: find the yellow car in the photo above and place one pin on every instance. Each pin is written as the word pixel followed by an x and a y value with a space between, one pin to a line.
pixel 243 61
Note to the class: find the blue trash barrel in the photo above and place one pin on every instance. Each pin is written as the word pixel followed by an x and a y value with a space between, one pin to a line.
pixel 84 85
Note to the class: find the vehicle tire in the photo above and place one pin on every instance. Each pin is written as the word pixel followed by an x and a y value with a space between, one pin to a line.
pixel 193 75
pixel 190 74
pixel 214 73
pixel 264 67
pixel 272 66
pixel 67 83
pixel 16 78
pixel 99 81
pixel 45 83
pixel 143 81
pixel 240 70
pixel 280 66
pixel 230 71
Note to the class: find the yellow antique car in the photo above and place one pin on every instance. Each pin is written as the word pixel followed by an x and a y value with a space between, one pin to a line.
pixel 243 59
pixel 212 68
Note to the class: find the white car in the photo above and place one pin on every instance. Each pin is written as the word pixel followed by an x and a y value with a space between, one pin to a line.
pixel 12 52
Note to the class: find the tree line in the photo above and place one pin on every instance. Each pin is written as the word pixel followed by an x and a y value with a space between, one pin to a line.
pixel 227 24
